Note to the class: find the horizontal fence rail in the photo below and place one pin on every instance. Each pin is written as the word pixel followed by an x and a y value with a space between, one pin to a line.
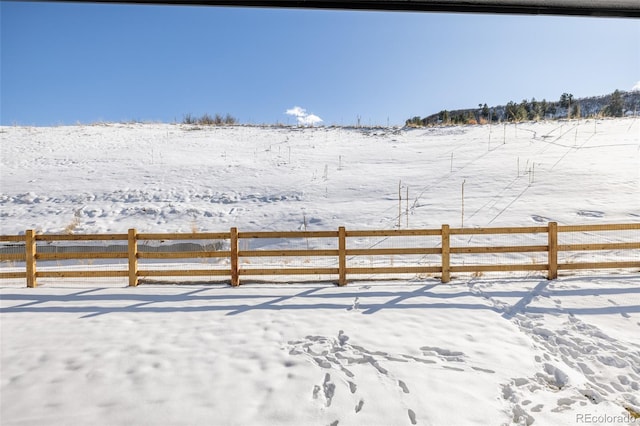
pixel 134 247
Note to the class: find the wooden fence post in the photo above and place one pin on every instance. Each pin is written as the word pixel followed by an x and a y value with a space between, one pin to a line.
pixel 30 247
pixel 446 265
pixel 553 250
pixel 235 271
pixel 133 257
pixel 342 256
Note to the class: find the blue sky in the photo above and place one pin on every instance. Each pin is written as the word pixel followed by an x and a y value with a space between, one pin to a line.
pixel 69 63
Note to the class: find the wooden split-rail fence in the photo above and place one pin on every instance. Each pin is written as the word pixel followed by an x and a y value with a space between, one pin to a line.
pixel 234 269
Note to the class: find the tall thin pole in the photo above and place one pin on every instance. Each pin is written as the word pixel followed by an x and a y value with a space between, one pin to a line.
pixel 489 131
pixel 399 204
pixel 407 206
pixel 462 210
pixel 532 171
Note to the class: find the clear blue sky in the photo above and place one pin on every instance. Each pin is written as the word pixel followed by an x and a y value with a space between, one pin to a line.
pixel 68 63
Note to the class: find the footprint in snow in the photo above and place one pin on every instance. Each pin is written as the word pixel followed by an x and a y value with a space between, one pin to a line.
pixel 412 417
pixel 590 213
pixel 338 353
pixel 403 386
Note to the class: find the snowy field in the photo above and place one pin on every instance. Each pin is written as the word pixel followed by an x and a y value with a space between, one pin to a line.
pixel 496 349
pixel 108 178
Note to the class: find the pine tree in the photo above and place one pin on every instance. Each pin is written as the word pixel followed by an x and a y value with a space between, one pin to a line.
pixel 544 107
pixel 414 122
pixel 511 110
pixel 616 105
pixel 566 99
pixel 533 110
pixel 485 111
pixel 522 111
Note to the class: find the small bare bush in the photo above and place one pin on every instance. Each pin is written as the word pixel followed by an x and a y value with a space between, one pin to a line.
pixel 209 120
pixel 189 119
pixel 71 227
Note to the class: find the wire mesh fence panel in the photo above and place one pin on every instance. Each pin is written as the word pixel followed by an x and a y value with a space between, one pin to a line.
pixel 385 255
pixel 288 243
pixel 176 259
pixel 499 249
pixel 12 255
pixel 74 262
pixel 280 262
pixel 12 261
pixel 299 256
pixel 598 246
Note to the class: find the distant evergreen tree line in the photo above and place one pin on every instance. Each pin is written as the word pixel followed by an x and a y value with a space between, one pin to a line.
pixel 616 104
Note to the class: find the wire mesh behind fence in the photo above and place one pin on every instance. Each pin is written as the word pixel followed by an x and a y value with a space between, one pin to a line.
pixel 602 244
pixel 81 260
pixel 133 258
pixel 499 249
pixel 288 256
pixel 383 255
pixel 180 258
pixel 12 259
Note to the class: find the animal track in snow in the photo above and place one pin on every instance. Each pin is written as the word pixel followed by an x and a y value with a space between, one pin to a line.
pixel 356 304
pixel 329 389
pixel 540 219
pixel 578 347
pixel 340 355
pixel 403 386
pixel 590 213
pixel 412 417
pixel 444 354
pixel 554 377
pixel 484 370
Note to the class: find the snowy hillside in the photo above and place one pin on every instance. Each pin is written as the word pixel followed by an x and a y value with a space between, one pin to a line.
pixel 484 350
pixel 165 177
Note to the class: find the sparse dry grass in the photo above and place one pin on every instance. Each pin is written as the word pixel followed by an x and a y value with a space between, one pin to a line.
pixel 71 227
pixel 633 413
pixel 75 222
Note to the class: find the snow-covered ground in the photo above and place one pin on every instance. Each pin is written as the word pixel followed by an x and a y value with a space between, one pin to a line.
pixel 494 349
pixel 163 177
pixel 476 352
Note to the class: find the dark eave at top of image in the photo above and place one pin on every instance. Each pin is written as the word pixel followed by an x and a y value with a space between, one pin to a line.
pixel 598 8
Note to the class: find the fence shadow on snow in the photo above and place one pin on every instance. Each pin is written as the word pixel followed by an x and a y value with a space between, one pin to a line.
pixel 369 301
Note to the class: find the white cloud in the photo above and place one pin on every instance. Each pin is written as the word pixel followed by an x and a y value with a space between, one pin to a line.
pixel 310 120
pixel 296 111
pixel 303 118
pixel 636 88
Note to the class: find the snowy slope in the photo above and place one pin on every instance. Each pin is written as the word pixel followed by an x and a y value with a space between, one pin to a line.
pixel 173 178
